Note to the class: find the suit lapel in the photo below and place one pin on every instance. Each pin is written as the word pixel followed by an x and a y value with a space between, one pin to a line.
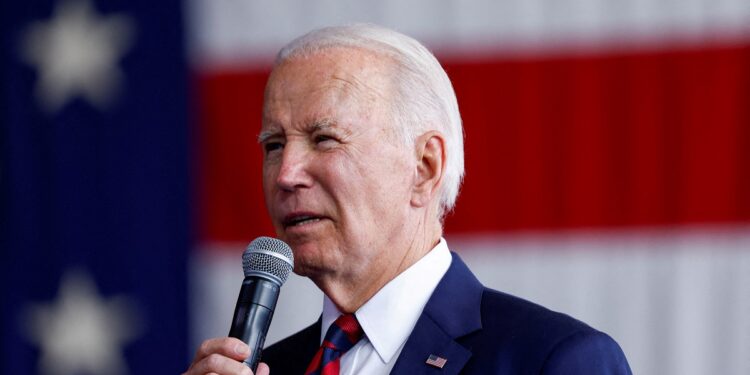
pixel 427 339
pixel 452 311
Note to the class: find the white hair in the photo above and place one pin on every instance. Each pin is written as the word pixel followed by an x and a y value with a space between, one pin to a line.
pixel 426 100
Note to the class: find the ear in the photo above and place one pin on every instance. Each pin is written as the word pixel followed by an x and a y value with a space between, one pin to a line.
pixel 430 153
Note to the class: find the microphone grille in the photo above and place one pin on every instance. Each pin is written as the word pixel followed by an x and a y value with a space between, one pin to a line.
pixel 268 257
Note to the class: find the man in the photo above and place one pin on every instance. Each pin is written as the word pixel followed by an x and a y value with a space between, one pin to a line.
pixel 363 156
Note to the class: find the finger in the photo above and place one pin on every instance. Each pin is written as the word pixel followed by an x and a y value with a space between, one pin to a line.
pixel 219 364
pixel 263 369
pixel 225 346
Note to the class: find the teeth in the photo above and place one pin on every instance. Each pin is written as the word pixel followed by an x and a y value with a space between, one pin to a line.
pixel 304 220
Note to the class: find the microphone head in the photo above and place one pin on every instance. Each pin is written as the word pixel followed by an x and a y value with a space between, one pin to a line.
pixel 268 258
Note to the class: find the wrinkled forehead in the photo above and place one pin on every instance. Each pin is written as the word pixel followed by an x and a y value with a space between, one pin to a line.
pixel 334 77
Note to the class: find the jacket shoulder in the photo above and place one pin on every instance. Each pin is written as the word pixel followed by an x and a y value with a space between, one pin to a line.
pixel 502 311
pixel 519 336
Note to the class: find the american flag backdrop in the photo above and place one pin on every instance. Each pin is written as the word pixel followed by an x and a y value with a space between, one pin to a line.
pixel 607 160
pixel 95 181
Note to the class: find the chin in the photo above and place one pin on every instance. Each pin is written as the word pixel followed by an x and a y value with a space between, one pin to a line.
pixel 308 269
pixel 310 260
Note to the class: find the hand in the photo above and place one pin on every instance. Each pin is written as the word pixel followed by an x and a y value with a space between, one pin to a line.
pixel 223 356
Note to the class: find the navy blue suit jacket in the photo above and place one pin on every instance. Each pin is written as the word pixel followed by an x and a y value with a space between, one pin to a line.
pixel 479 331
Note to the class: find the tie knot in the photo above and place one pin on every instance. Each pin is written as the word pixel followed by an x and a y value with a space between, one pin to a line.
pixel 343 333
pixel 341 336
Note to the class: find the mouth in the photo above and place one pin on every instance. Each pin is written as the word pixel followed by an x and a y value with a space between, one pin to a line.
pixel 300 219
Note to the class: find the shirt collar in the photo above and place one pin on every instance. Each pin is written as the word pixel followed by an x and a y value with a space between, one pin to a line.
pixel 391 314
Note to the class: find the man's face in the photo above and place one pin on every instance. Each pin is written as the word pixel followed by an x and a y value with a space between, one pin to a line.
pixel 336 178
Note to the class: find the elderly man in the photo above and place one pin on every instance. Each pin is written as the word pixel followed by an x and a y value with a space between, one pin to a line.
pixel 363 156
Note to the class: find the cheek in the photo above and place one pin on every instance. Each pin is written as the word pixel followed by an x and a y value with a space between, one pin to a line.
pixel 270 171
pixel 266 184
pixel 269 187
pixel 386 185
pixel 392 172
pixel 370 183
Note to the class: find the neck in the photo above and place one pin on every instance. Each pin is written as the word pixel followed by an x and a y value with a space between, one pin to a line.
pixel 350 292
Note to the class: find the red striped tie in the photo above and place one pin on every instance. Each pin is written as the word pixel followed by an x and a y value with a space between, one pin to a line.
pixel 341 336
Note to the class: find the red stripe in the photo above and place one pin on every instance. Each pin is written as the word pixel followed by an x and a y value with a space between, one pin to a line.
pixel 315 363
pixel 632 139
pixel 332 368
pixel 230 195
pixel 328 344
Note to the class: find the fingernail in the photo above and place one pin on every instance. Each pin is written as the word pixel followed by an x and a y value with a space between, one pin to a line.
pixel 241 349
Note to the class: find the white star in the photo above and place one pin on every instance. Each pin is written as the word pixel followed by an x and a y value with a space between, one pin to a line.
pixel 81 333
pixel 76 54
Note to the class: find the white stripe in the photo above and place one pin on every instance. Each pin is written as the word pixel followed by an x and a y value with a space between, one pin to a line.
pixel 250 32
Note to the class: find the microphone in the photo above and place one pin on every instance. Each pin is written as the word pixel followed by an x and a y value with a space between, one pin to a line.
pixel 267 263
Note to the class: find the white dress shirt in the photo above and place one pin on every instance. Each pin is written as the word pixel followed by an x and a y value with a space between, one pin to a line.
pixel 390 315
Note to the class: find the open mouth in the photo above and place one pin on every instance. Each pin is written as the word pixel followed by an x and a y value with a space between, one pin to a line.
pixel 298 220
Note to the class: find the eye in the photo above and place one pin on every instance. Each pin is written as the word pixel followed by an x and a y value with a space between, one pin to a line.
pixel 272 146
pixel 322 138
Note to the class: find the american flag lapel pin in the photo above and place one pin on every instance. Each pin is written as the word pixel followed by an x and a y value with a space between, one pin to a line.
pixel 436 361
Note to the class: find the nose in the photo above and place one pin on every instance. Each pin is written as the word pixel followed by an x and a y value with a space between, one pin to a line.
pixel 293 171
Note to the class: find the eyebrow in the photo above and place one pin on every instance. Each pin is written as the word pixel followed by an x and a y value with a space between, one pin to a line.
pixel 266 134
pixel 322 124
pixel 313 127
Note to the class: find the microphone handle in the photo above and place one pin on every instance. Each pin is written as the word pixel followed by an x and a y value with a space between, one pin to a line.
pixel 252 315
